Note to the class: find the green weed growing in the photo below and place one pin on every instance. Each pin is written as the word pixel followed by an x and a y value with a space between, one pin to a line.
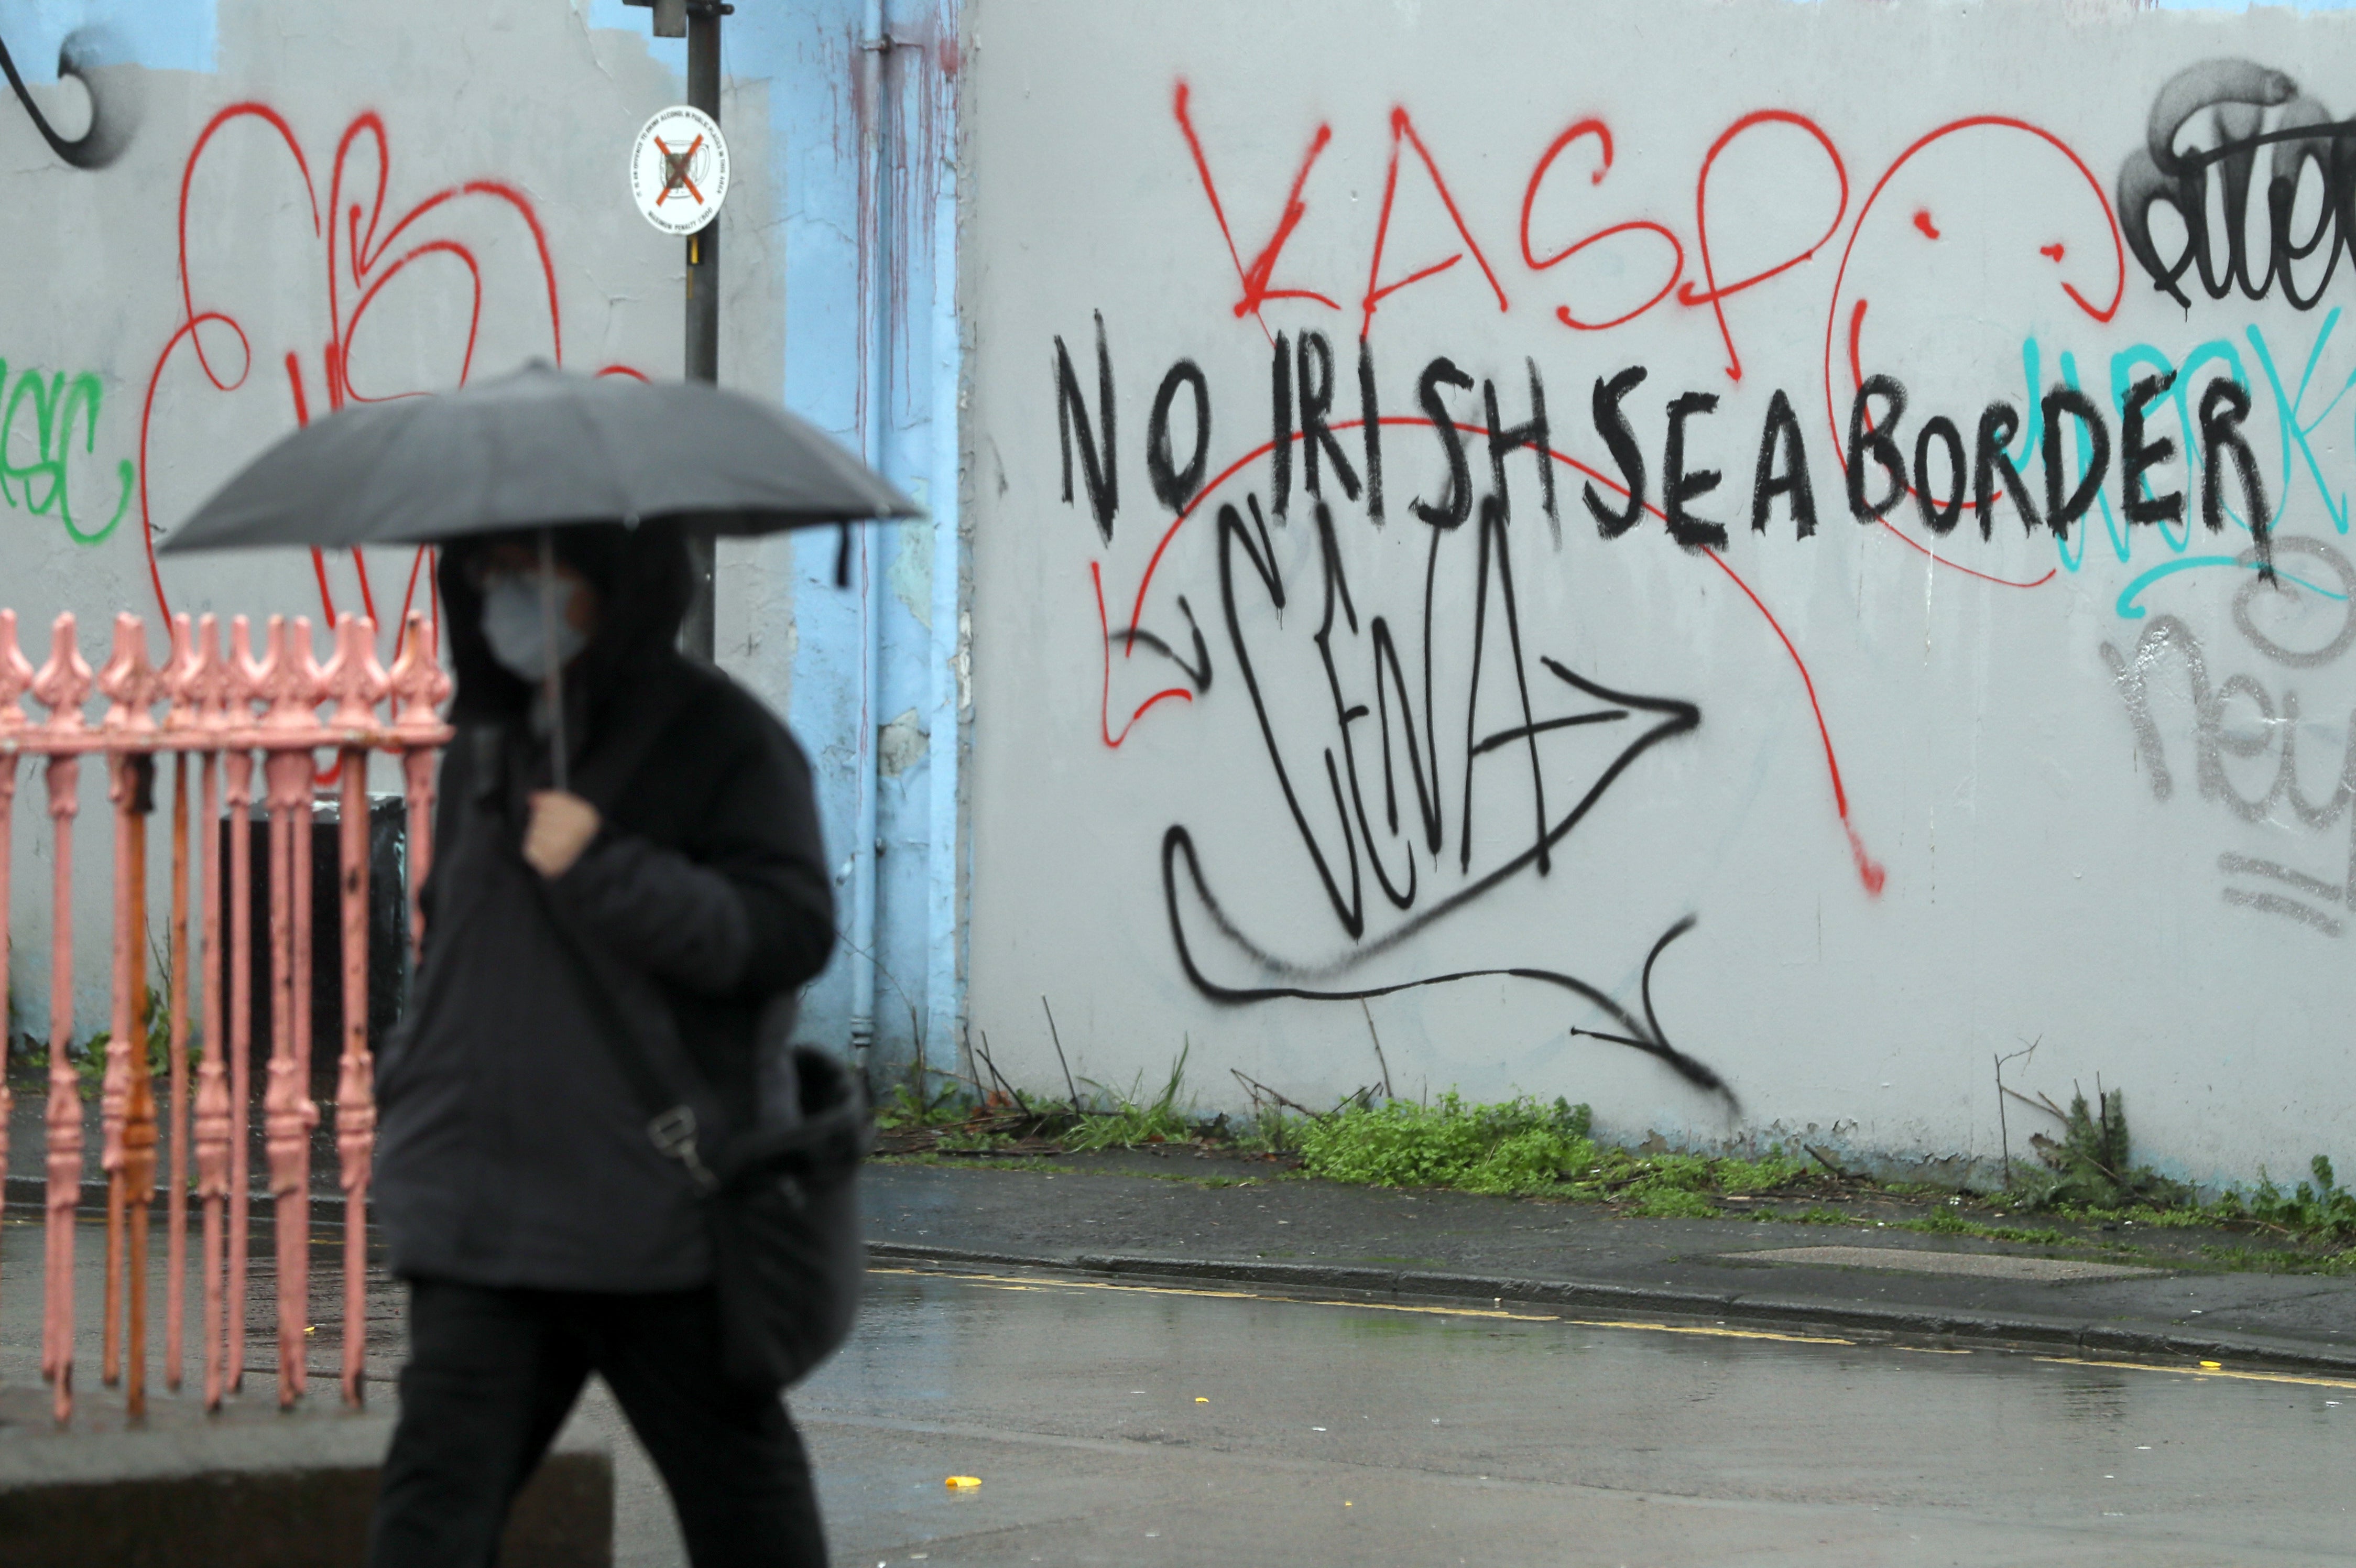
pixel 155 1024
pixel 1947 1223
pixel 1526 1147
pixel 915 1103
pixel 2089 1174
pixel 934 1112
pixel 1517 1146
pixel 2321 1211
pixel 1118 1120
pixel 1521 1147
pixel 2092 1165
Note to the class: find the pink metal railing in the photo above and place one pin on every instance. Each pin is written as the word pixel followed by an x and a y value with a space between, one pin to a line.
pixel 218 710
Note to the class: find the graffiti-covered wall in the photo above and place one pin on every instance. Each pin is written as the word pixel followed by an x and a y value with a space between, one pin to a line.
pixel 232 218
pixel 1730 561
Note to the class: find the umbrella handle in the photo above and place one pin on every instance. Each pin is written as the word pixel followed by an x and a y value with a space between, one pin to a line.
pixel 552 672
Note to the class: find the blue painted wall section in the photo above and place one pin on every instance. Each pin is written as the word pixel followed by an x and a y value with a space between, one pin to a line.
pixel 810 52
pixel 161 34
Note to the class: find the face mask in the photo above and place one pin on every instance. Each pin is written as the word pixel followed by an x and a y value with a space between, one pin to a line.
pixel 515 624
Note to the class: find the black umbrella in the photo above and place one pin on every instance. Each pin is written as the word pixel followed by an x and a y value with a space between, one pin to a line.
pixel 536 448
pixel 541 449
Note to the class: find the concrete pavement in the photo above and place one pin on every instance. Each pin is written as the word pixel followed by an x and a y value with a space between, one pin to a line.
pixel 1109 1216
pixel 1175 1212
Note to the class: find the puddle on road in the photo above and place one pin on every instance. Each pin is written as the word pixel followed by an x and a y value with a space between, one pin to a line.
pixel 1446 1313
pixel 1215 1413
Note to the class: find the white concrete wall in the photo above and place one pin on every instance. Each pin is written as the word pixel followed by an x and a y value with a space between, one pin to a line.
pixel 165 316
pixel 1891 777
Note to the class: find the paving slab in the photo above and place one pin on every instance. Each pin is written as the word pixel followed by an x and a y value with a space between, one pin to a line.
pixel 1923 1261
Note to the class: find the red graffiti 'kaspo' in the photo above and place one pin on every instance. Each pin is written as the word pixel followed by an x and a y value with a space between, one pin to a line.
pixel 1667 252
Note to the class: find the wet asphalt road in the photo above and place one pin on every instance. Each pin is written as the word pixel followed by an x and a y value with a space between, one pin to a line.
pixel 1119 1426
pixel 1142 1425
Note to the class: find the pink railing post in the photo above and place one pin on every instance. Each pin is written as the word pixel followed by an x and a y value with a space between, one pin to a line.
pixel 62 685
pixel 237 767
pixel 288 682
pixel 129 1106
pixel 178 684
pixel 175 1119
pixel 16 680
pixel 419 685
pixel 355 682
pixel 207 689
pixel 134 1178
pixel 291 1210
pixel 114 1088
pixel 355 1081
pixel 211 714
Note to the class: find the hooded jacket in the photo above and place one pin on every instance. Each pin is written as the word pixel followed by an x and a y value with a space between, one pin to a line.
pixel 511 1150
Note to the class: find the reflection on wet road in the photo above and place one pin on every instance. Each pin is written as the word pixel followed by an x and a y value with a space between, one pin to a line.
pixel 1125 1425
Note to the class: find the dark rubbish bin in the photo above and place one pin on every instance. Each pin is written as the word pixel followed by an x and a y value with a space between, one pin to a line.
pixel 388 935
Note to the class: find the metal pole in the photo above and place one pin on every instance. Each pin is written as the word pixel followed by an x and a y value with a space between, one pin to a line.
pixel 703 295
pixel 875 362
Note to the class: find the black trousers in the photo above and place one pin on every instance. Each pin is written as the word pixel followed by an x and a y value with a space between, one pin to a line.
pixel 492 1375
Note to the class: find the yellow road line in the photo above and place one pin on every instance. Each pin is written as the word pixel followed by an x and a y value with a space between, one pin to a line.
pixel 2299 1378
pixel 1022 1282
pixel 1713 1331
pixel 1019 1282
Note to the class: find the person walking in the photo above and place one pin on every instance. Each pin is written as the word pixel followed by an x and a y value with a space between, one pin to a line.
pixel 677 890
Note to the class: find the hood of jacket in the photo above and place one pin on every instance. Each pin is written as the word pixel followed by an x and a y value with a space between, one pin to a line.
pixel 643 581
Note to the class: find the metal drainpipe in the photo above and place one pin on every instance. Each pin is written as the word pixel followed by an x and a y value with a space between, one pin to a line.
pixel 875 381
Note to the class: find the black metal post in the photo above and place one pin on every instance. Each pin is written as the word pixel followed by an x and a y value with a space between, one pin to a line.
pixel 702 293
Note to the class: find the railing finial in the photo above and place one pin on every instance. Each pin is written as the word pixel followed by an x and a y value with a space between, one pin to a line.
pixel 62 684
pixel 212 679
pixel 419 683
pixel 287 679
pixel 179 675
pixel 15 676
pixel 130 679
pixel 353 678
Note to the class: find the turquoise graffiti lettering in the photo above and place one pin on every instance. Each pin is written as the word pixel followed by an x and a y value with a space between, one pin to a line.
pixel 2071 551
pixel 2130 610
pixel 2287 410
pixel 2296 422
pixel 36 435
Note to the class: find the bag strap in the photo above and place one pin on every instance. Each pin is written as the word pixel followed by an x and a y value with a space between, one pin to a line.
pixel 841 1137
pixel 671 1124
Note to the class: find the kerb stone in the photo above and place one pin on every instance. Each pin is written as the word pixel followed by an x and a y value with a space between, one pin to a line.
pixel 251 1487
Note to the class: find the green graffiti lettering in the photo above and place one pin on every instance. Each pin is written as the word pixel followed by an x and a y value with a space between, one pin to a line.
pixel 87 390
pixel 44 465
pixel 36 424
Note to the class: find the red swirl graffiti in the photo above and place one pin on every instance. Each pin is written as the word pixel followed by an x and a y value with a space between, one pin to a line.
pixel 366 245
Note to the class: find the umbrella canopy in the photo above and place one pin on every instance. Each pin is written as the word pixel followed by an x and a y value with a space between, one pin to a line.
pixel 541 447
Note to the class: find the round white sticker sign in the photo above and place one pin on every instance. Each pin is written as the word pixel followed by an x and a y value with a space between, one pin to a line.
pixel 679 170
